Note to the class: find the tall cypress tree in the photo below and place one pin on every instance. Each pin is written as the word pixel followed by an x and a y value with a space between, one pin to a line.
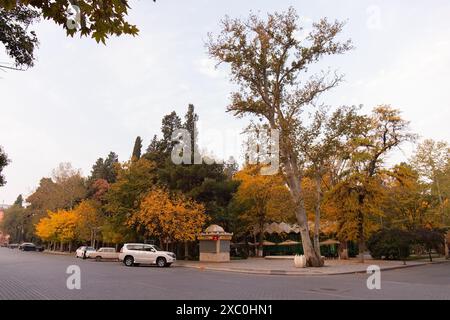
pixel 137 149
pixel 190 124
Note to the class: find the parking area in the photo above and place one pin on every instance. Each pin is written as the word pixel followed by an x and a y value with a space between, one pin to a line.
pixel 36 275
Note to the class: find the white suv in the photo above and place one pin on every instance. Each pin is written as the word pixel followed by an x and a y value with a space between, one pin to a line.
pixel 136 253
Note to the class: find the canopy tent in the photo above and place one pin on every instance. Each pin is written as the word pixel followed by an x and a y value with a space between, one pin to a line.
pixel 265 243
pixel 329 242
pixel 288 243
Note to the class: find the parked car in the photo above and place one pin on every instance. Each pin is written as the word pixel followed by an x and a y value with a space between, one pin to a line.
pixel 136 253
pixel 13 245
pixel 103 254
pixel 80 251
pixel 29 246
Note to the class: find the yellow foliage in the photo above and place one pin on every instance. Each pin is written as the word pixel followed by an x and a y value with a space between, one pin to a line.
pixel 265 198
pixel 61 225
pixel 169 217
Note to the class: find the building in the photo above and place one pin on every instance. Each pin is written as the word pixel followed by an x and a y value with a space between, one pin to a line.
pixel 4 238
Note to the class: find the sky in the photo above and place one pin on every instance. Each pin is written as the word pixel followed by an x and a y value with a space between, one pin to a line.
pixel 82 100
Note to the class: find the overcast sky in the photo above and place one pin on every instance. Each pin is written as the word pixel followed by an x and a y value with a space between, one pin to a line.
pixel 82 100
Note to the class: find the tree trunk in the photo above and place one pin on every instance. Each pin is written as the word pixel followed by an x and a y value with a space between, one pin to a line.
pixel 317 215
pixel 261 242
pixel 343 250
pixel 361 239
pixel 293 180
pixel 186 250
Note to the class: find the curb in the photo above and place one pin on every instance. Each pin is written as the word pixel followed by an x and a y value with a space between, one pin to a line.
pixel 291 273
pixel 59 253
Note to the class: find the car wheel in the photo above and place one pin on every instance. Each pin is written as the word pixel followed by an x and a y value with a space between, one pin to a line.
pixel 128 261
pixel 161 262
pixel 98 258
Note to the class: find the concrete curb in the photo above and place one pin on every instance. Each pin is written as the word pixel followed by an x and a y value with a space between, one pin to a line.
pixel 59 253
pixel 302 274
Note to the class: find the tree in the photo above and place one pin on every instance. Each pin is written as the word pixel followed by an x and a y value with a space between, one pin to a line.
pixel 360 194
pixel 430 239
pixel 3 163
pixel 59 226
pixel 431 160
pixel 104 169
pixel 19 42
pixel 322 144
pixel 263 198
pixel 170 217
pixel 408 202
pixel 134 180
pixel 15 223
pixel 97 19
pixel 136 155
pixel 268 62
pixel 90 220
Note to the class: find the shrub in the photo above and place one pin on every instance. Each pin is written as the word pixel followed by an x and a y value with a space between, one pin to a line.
pixel 430 239
pixel 390 244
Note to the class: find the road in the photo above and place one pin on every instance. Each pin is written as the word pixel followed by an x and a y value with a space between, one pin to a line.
pixel 33 275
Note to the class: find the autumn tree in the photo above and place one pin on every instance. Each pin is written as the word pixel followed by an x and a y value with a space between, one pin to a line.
pixel 263 199
pixel 408 203
pixel 360 192
pixel 134 180
pixel 205 183
pixel 322 147
pixel 169 216
pixel 269 63
pixel 431 160
pixel 15 222
pixel 3 163
pixel 59 226
pixel 90 220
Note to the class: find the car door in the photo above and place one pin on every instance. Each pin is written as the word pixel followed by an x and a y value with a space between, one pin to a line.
pixel 150 254
pixel 138 253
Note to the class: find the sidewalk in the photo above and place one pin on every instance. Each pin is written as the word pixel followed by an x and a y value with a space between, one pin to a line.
pixel 286 266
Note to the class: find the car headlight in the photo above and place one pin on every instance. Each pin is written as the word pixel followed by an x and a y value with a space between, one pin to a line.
pixel 172 255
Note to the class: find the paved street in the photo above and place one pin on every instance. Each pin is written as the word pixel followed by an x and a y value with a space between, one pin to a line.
pixel 32 275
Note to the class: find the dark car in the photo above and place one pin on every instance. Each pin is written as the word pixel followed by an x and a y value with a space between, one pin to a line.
pixel 28 246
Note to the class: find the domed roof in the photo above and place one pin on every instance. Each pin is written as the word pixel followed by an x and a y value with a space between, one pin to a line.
pixel 214 228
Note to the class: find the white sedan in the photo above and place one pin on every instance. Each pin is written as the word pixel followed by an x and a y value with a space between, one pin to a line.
pixel 84 251
pixel 103 254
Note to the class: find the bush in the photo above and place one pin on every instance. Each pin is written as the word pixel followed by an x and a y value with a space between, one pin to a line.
pixel 430 239
pixel 390 244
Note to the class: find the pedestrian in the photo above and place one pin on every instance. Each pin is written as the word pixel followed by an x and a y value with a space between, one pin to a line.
pixel 84 253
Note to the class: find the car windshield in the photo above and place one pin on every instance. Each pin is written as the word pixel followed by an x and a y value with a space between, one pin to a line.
pixel 90 249
pixel 157 248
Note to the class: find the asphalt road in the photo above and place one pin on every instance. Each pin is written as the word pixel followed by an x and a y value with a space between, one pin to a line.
pixel 33 275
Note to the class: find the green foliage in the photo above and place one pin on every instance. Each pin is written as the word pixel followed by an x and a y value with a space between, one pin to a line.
pixel 136 155
pixel 390 244
pixel 430 239
pixel 99 19
pixel 3 163
pixel 105 169
pixel 19 42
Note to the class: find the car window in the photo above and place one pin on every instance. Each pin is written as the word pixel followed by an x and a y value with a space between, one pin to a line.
pixel 135 247
pixel 148 248
pixel 90 249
